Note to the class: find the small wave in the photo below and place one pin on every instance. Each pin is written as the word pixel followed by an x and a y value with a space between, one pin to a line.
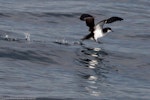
pixel 144 36
pixel 4 15
pixel 40 14
pixel 50 14
pixel 28 55
pixel 33 98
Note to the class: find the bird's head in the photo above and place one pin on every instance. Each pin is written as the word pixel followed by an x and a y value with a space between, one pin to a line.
pixel 107 30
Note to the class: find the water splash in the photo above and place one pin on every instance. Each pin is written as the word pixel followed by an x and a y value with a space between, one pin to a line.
pixel 6 37
pixel 62 42
pixel 27 36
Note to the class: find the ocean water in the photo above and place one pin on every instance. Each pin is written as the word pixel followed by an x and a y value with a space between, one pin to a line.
pixel 52 65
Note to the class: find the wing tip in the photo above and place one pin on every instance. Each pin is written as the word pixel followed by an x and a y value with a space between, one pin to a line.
pixel 119 18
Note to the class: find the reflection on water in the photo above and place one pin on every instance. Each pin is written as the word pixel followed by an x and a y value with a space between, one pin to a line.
pixel 92 58
pixel 93 63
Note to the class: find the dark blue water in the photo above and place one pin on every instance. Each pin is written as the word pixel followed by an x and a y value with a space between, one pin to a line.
pixel 50 66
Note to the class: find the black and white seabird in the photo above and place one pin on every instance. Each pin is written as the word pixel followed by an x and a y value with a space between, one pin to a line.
pixel 97 31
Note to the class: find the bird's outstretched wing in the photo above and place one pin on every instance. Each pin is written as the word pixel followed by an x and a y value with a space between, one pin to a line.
pixel 107 21
pixel 113 19
pixel 89 21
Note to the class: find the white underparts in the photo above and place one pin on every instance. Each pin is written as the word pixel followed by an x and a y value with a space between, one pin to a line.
pixel 98 33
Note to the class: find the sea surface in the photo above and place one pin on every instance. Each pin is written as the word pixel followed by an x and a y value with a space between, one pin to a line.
pixel 52 65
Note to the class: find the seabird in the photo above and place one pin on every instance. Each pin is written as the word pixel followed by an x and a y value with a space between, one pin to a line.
pixel 97 31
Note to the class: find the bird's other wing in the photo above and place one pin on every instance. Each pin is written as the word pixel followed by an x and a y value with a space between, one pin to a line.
pixel 89 21
pixel 84 16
